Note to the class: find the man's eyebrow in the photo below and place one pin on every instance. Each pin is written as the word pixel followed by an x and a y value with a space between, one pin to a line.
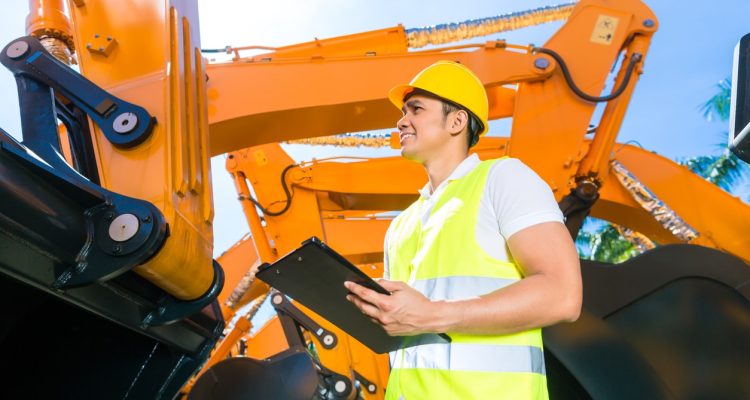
pixel 411 103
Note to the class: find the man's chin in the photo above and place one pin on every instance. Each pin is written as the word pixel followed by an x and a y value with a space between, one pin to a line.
pixel 410 154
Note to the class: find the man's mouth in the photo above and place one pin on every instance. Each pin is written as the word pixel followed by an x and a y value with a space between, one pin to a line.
pixel 404 136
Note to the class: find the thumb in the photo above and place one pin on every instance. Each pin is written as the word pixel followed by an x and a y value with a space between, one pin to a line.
pixel 391 286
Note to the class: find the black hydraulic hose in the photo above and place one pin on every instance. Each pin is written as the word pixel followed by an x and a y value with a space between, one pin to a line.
pixel 634 59
pixel 287 193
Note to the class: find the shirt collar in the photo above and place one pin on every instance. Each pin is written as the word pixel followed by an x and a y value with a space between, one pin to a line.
pixel 459 172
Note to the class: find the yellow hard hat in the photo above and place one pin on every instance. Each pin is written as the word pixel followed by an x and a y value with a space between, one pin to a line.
pixel 449 81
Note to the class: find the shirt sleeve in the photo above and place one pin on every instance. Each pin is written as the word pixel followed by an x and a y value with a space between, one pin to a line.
pixel 519 197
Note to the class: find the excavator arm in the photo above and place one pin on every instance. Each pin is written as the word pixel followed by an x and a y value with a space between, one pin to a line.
pixel 126 233
pixel 285 203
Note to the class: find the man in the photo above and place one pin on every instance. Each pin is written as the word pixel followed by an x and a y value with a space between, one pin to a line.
pixel 482 255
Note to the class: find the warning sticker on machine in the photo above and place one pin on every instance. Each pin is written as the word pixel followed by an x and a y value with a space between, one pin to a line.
pixel 604 30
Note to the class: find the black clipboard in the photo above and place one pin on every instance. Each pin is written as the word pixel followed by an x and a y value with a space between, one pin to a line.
pixel 314 275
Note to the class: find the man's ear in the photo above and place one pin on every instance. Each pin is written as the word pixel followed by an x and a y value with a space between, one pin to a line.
pixel 457 121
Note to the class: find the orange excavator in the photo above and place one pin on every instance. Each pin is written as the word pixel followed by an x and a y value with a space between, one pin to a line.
pixel 107 213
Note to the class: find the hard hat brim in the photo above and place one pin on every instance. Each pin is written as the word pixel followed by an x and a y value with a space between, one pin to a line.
pixel 397 93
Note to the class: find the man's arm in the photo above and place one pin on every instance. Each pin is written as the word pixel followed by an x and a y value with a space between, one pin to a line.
pixel 550 292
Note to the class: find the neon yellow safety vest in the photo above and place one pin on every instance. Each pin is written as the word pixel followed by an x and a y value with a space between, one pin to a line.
pixel 443 260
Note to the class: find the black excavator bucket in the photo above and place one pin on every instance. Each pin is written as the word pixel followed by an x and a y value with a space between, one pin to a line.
pixel 291 375
pixel 671 323
pixel 93 339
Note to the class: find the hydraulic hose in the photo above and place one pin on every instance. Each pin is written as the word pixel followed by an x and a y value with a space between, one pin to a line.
pixel 287 193
pixel 634 60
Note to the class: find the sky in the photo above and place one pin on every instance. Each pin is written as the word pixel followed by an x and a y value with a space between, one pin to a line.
pixel 690 53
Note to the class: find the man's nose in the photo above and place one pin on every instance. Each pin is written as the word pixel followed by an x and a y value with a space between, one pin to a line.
pixel 403 123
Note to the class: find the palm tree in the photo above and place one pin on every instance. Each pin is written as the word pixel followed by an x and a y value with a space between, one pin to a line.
pixel 725 169
pixel 604 243
pixel 719 104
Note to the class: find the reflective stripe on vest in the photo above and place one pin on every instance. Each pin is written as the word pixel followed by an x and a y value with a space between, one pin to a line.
pixel 444 261
pixel 472 357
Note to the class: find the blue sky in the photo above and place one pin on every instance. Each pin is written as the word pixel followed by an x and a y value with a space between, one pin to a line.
pixel 690 53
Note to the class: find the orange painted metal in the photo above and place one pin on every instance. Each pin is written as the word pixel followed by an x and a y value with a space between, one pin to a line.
pixel 300 98
pixel 237 261
pixel 156 63
pixel 48 18
pixel 370 44
pixel 269 340
pixel 549 120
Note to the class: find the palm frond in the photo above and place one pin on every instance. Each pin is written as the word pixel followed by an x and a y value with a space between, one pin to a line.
pixel 603 242
pixel 717 107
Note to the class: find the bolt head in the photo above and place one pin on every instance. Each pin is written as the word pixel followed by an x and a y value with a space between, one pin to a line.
pixel 123 228
pixel 125 123
pixel 339 386
pixel 541 63
pixel 17 49
pixel 371 388
pixel 277 299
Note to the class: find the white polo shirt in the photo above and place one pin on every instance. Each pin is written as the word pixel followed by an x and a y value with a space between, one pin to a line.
pixel 514 198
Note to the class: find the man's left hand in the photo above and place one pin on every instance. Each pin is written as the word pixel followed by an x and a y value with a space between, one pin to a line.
pixel 405 312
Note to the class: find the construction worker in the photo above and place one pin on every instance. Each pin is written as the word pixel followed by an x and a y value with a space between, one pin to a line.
pixel 482 255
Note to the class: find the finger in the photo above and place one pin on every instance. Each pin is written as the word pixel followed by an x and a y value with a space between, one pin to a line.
pixel 393 331
pixel 363 306
pixel 365 294
pixel 392 286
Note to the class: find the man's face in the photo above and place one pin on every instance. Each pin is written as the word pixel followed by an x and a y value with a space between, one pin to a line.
pixel 422 128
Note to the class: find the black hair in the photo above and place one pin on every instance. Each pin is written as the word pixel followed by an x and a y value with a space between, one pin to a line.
pixel 474 125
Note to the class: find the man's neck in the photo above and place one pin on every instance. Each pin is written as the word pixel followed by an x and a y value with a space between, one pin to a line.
pixel 440 168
